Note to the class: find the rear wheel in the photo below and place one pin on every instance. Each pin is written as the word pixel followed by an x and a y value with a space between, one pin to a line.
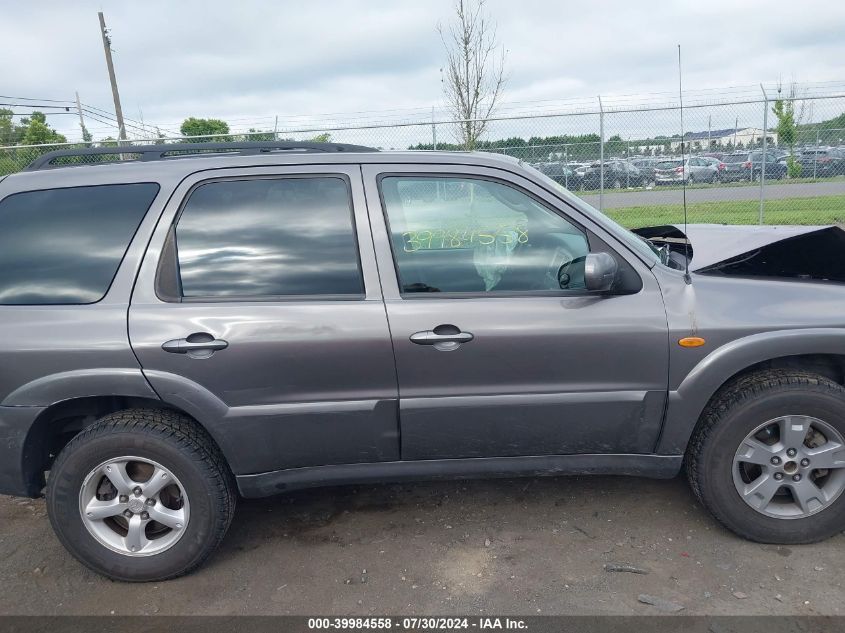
pixel 141 495
pixel 768 457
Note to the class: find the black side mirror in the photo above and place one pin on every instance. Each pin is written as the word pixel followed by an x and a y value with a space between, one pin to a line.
pixel 600 271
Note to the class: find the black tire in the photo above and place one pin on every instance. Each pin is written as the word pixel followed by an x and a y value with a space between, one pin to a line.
pixel 170 439
pixel 733 413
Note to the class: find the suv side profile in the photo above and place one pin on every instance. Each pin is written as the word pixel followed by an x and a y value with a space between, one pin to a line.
pixel 180 330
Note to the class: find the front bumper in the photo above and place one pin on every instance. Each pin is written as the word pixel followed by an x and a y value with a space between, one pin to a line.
pixel 19 474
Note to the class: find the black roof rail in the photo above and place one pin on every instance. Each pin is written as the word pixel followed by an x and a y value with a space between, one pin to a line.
pixel 174 150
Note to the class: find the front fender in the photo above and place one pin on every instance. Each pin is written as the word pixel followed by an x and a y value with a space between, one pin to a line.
pixel 686 404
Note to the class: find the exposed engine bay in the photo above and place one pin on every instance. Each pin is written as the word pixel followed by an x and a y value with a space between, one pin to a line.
pixel 815 253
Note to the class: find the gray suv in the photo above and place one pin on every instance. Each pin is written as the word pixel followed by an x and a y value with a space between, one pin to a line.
pixel 177 330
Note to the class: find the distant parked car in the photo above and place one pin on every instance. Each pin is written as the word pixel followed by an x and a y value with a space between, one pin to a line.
pixel 829 161
pixel 646 167
pixel 749 166
pixel 690 170
pixel 617 174
pixel 715 162
pixel 562 174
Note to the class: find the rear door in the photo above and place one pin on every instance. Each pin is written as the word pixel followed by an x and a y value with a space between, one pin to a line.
pixel 258 309
pixel 494 358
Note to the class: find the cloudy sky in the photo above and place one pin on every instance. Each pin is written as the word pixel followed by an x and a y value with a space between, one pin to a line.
pixel 248 61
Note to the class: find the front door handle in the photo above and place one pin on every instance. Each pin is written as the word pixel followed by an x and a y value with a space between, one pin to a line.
pixel 443 337
pixel 200 342
pixel 428 337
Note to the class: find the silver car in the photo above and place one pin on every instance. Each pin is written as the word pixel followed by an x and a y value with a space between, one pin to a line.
pixel 693 169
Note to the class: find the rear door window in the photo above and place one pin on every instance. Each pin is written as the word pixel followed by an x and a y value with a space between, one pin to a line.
pixel 64 246
pixel 269 237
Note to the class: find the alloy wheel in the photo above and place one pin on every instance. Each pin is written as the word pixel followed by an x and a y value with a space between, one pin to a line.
pixel 790 467
pixel 134 506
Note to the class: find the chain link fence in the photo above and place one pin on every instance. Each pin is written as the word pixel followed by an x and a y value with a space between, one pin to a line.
pixel 737 164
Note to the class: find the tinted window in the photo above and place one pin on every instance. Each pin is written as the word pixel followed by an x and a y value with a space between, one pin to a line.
pixel 473 235
pixel 735 158
pixel 268 237
pixel 63 246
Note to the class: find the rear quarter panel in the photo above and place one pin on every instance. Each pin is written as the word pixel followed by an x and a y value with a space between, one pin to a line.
pixel 50 353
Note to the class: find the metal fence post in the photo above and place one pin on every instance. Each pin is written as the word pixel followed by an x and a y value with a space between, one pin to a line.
pixel 816 154
pixel 763 156
pixel 433 130
pixel 601 155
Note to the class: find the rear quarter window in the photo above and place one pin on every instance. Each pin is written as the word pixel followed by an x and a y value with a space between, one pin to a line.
pixel 64 246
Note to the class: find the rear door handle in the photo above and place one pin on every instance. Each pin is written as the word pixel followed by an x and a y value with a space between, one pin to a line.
pixel 186 345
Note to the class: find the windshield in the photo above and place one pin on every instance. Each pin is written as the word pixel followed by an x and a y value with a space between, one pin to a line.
pixel 639 245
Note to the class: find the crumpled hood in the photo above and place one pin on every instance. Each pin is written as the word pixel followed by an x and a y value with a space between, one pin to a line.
pixel 802 252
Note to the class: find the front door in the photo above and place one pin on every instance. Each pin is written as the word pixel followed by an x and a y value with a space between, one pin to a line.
pixel 500 350
pixel 258 310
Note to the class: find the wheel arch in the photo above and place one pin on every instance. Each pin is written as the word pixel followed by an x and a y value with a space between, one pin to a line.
pixel 820 350
pixel 60 422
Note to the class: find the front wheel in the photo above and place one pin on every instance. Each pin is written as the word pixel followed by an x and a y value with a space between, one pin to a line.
pixel 768 457
pixel 141 495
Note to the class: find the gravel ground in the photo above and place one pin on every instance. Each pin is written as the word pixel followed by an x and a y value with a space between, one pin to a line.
pixel 521 547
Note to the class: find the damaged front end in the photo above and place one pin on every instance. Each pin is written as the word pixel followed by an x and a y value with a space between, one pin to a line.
pixel 813 253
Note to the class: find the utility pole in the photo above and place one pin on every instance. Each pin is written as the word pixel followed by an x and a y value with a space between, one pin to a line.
pixel 601 155
pixel 763 161
pixel 81 120
pixel 118 111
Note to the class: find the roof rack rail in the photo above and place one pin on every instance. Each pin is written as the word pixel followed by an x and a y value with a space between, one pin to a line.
pixel 52 160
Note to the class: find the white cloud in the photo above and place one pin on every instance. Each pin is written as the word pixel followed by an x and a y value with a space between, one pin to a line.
pixel 249 61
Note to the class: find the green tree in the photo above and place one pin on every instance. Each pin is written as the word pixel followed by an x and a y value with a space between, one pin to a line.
pixel 204 127
pixel 37 132
pixel 86 135
pixel 8 131
pixel 323 137
pixel 787 126
pixel 260 135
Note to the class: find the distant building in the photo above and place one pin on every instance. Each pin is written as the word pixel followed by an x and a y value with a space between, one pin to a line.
pixel 721 138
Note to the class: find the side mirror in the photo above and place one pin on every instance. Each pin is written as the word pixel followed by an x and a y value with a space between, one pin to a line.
pixel 600 271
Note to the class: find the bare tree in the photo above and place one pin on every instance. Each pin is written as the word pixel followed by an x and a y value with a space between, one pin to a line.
pixel 474 76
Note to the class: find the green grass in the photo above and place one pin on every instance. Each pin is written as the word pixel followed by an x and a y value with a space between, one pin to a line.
pixel 819 210
pixel 720 185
